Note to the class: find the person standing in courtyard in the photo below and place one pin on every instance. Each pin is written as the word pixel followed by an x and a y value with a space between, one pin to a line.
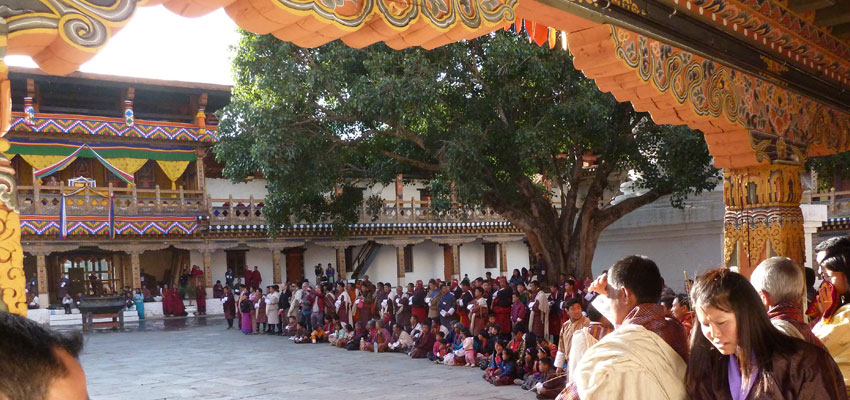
pixel 201 298
pixel 217 290
pixel 258 278
pixel 273 310
pixel 330 273
pixel 228 278
pixel 538 320
pixel 228 305
pixel 139 299
pixel 260 315
pixel 246 306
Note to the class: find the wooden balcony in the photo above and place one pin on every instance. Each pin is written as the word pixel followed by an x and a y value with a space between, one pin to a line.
pixel 250 211
pixel 45 200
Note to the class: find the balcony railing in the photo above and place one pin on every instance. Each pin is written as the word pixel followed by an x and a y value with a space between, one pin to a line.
pixel 250 211
pixel 837 201
pixel 46 200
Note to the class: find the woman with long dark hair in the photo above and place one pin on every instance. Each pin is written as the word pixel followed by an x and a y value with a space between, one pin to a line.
pixel 737 354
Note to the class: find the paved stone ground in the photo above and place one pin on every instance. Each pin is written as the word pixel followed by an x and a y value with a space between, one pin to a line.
pixel 196 358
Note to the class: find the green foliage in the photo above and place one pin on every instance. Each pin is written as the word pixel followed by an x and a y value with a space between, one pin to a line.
pixel 829 169
pixel 477 118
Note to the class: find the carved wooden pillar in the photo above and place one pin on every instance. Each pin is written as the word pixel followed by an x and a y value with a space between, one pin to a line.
pixel 135 265
pixel 340 263
pixel 12 279
pixel 455 261
pixel 399 260
pixel 763 217
pixel 276 265
pixel 503 259
pixel 207 255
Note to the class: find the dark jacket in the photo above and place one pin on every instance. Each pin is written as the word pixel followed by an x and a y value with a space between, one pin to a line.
pixel 803 372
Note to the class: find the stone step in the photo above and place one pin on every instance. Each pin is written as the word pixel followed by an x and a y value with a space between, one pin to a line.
pixel 77 319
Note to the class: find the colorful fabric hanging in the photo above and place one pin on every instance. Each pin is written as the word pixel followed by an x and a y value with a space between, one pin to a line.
pixel 61 164
pixel 127 164
pixel 173 170
pixel 38 162
pixel 64 148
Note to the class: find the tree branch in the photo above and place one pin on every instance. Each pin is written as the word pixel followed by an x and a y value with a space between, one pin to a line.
pixel 412 162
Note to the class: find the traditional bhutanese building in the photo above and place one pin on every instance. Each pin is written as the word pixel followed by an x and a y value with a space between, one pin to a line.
pixel 117 178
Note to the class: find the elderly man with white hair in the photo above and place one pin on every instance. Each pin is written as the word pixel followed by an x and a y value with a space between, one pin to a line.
pixel 779 282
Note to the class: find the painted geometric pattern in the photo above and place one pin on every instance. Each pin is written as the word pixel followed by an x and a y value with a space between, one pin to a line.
pixel 771 24
pixel 99 225
pixel 100 126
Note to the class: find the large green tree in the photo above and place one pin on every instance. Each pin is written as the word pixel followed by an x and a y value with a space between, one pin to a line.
pixel 482 120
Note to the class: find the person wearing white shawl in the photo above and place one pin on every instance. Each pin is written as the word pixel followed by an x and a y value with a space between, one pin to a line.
pixel 644 358
pixel 539 307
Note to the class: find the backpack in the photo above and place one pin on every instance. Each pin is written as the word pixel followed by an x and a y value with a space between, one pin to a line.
pixel 246 306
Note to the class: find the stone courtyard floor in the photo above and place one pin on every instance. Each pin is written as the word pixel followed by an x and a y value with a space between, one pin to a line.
pixel 196 358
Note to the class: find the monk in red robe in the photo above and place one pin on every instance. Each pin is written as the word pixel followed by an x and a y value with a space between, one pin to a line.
pixel 257 278
pixel 201 298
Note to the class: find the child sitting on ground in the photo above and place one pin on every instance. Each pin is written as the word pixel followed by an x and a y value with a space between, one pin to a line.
pixel 439 347
pixel 337 334
pixel 301 335
pixel 495 361
pixel 291 327
pixel 551 383
pixel 505 371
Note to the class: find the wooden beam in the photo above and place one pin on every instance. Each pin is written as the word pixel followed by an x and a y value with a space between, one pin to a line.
pixel 834 15
pixel 801 6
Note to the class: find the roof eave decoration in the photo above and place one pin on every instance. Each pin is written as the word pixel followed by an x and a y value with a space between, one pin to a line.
pixel 60 36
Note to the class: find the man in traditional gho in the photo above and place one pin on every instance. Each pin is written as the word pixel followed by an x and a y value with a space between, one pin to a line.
pixel 575 322
pixel 779 281
pixel 538 321
pixel 433 300
pixel 229 306
pixel 448 306
pixel 402 305
pixel 463 302
pixel 343 305
pixel 500 304
pixel 518 311
pixel 644 358
pixel 423 344
pixel 418 305
pixel 478 311
pixel 555 297
pixel 273 310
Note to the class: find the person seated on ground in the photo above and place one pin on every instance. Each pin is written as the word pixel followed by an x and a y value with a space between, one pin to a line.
pixel 530 379
pixel 291 327
pixel 349 333
pixel 526 365
pixel 301 334
pixel 424 343
pixel 38 363
pixel 778 280
pixel 575 322
pixel 438 350
pixel 737 353
pixel 437 326
pixel 653 346
pixel 360 334
pixel 147 294
pixel 495 360
pixel 337 334
pixel 383 337
pixel 319 334
pixel 681 310
pixel 517 341
pixel 415 327
pixel 551 383
pixel 402 341
pixel 505 370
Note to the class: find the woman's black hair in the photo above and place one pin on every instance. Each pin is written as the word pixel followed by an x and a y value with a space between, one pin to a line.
pixel 758 340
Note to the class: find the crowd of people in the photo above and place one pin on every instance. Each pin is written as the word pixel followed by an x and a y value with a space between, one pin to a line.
pixel 724 337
